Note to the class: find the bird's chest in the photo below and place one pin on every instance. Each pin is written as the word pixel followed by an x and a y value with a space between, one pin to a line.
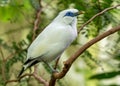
pixel 64 34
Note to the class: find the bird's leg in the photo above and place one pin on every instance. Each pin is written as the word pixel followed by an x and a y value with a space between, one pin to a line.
pixel 56 63
pixel 51 68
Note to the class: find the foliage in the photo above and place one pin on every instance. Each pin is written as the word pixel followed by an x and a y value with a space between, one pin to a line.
pixel 106 75
pixel 17 21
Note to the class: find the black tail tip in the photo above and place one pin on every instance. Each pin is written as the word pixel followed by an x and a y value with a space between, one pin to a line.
pixel 21 72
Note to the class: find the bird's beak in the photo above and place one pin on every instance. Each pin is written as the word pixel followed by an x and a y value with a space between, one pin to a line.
pixel 78 13
pixel 81 12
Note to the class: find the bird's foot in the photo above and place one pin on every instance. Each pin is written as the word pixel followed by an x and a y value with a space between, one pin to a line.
pixel 55 71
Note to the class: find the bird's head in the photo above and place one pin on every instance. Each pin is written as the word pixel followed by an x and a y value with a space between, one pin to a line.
pixel 68 16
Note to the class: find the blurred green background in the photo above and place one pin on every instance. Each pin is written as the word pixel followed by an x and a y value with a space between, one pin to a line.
pixel 97 66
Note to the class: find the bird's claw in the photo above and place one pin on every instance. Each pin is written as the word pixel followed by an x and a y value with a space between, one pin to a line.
pixel 55 71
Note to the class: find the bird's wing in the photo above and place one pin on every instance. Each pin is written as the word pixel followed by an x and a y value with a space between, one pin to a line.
pixel 42 44
pixel 53 40
pixel 38 47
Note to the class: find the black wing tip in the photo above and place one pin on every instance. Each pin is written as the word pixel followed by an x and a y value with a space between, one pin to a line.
pixel 31 61
pixel 21 72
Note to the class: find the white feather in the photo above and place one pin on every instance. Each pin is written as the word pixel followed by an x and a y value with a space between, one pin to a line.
pixel 55 38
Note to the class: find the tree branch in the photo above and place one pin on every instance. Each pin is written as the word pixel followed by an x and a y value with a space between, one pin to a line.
pixel 37 19
pixel 36 23
pixel 69 62
pixel 16 80
pixel 34 74
pixel 40 79
pixel 96 15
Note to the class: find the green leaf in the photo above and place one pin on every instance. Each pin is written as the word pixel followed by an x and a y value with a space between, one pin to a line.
pixel 106 75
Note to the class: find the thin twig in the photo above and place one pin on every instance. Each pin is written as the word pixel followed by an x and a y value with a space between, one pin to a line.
pixel 16 80
pixel 3 65
pixel 52 78
pixel 39 78
pixel 98 14
pixel 36 23
pixel 2 55
pixel 34 74
pixel 10 56
pixel 36 26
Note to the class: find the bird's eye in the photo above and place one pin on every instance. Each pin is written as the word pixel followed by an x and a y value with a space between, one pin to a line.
pixel 69 14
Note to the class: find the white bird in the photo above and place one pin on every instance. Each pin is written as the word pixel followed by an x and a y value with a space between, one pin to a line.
pixel 53 40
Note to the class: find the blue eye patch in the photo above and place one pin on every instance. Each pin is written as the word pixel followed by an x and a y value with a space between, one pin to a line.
pixel 70 14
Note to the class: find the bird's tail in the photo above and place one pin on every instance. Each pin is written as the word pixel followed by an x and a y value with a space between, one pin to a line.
pixel 21 72
pixel 23 69
pixel 28 64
